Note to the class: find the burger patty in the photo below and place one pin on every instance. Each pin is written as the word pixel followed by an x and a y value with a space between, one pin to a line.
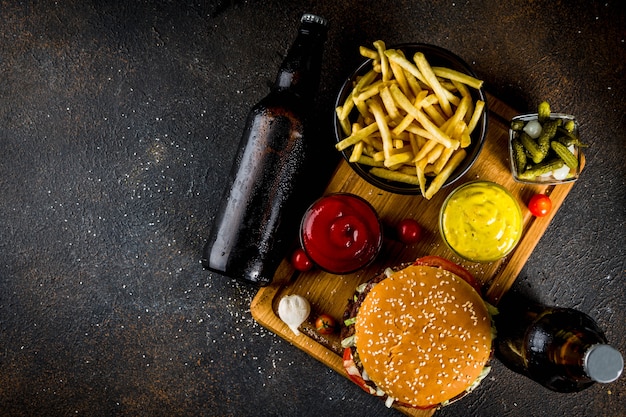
pixel 355 302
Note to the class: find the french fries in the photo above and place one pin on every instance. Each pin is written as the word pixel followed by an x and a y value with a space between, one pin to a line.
pixel 413 121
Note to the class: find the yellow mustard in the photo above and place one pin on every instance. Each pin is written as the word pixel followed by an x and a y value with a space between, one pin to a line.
pixel 481 221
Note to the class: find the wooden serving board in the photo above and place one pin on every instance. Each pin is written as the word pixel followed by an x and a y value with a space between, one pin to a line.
pixel 329 293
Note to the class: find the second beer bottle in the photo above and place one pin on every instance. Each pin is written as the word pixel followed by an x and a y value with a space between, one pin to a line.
pixel 561 348
pixel 266 193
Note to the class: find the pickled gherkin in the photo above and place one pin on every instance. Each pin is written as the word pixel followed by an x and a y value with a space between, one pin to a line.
pixel 547 134
pixel 535 151
pixel 569 138
pixel 541 168
pixel 549 130
pixel 517 125
pixel 543 111
pixel 519 155
pixel 565 154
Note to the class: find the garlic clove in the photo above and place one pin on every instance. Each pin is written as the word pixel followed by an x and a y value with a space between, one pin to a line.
pixel 294 310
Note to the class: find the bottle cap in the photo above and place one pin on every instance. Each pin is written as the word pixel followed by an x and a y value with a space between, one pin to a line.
pixel 603 363
pixel 313 18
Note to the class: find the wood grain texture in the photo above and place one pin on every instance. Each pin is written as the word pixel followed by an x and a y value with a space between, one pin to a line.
pixel 329 293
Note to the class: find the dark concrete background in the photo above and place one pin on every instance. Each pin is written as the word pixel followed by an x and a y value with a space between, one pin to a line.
pixel 118 122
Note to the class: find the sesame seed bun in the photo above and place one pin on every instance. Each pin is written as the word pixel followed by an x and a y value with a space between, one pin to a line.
pixel 423 335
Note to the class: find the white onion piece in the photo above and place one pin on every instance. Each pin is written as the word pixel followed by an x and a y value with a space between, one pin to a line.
pixel 533 129
pixel 389 401
pixel 294 310
pixel 561 173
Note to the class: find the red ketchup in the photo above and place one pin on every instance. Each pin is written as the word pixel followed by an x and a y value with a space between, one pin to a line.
pixel 341 233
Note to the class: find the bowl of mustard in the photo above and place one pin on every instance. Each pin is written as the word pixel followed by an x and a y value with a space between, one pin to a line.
pixel 481 221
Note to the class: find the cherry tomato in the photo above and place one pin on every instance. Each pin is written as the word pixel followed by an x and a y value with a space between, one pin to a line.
pixel 409 231
pixel 325 324
pixel 540 205
pixel 300 260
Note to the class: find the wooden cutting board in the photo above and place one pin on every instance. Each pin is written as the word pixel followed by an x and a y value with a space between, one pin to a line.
pixel 329 293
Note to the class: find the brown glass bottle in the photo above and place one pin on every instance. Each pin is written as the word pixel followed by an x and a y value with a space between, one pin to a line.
pixel 561 348
pixel 266 194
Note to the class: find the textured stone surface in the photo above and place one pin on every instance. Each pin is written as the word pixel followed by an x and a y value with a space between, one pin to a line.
pixel 118 121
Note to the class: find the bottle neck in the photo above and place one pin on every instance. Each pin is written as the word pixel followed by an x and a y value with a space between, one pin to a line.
pixel 300 70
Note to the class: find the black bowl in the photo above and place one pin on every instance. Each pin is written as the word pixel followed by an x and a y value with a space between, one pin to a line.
pixel 436 56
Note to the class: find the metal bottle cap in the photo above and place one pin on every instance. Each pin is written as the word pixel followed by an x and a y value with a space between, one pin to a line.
pixel 313 18
pixel 603 363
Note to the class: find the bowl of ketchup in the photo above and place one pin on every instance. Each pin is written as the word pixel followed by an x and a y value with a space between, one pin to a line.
pixel 341 233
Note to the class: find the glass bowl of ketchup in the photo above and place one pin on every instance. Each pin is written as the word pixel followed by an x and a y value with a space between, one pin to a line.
pixel 341 233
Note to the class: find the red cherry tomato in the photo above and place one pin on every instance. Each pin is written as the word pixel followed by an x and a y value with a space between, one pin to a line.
pixel 325 324
pixel 409 231
pixel 540 205
pixel 300 260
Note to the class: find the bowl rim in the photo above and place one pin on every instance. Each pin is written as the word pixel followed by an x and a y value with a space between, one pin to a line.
pixel 548 181
pixel 476 146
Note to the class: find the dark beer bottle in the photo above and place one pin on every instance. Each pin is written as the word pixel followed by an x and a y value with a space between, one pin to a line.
pixel 561 348
pixel 266 195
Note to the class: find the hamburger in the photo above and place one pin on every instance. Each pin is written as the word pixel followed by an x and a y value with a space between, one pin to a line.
pixel 418 336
